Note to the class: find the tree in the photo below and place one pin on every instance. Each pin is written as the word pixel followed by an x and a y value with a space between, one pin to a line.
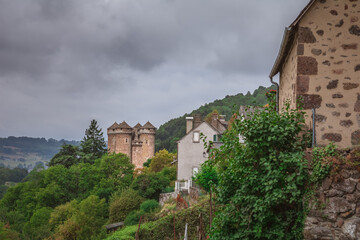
pixel 67 156
pixel 150 184
pixel 207 178
pixel 209 116
pixel 93 145
pixel 38 227
pixel 83 220
pixel 121 206
pixel 161 159
pixel 262 182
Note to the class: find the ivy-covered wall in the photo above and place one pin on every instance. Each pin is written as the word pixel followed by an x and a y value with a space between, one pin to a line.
pixel 335 210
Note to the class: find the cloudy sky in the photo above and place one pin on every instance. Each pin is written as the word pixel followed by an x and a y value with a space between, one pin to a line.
pixel 65 62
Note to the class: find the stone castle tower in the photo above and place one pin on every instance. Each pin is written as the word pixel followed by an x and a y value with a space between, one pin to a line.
pixel 137 142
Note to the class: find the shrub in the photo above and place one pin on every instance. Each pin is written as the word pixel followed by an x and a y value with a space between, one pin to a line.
pixel 149 205
pixel 133 217
pixel 120 207
pixel 262 182
pixel 150 185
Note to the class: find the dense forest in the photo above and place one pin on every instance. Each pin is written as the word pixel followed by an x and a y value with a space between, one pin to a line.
pixel 27 152
pixel 83 189
pixel 170 132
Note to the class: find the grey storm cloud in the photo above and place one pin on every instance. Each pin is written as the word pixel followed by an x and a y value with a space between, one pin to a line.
pixel 72 60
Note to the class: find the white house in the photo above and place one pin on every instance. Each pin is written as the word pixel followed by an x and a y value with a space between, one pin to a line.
pixel 191 151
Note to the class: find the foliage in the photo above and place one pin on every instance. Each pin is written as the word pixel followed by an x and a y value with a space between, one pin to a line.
pixel 170 132
pixel 209 116
pixel 169 172
pixel 261 182
pixel 67 156
pixel 7 233
pixel 150 185
pixel 161 159
pixel 207 176
pixel 59 185
pixel 163 228
pixel 321 164
pixel 93 144
pixel 149 205
pixel 147 163
pixel 83 220
pixel 120 207
pixel 38 227
pixel 134 217
pixel 12 175
pixel 23 149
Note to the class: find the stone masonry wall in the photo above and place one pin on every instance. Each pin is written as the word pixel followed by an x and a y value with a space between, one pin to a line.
pixel 288 79
pixel 328 70
pixel 335 212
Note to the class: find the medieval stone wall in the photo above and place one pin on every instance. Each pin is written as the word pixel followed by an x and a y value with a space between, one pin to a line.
pixel 148 147
pixel 335 211
pixel 328 69
pixel 119 143
pixel 138 142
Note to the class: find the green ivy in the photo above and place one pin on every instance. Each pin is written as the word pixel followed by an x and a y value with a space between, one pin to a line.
pixel 321 164
pixel 262 182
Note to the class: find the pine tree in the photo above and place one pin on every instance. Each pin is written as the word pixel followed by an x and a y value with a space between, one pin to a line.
pixel 93 145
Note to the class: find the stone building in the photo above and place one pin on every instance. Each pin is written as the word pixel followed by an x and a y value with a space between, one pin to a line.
pixel 319 61
pixel 137 142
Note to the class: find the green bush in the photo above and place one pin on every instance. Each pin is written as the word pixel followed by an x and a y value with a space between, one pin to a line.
pixel 149 205
pixel 133 217
pixel 150 185
pixel 262 182
pixel 168 189
pixel 120 207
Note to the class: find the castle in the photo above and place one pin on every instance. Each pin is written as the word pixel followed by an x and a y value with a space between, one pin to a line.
pixel 137 142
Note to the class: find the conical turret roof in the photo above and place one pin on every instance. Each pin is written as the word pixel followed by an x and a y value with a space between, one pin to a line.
pixel 148 125
pixel 114 126
pixel 124 125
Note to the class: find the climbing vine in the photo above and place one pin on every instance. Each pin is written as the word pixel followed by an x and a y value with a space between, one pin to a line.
pixel 261 183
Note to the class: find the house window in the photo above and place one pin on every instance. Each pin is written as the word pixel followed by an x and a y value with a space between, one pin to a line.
pixel 214 138
pixel 195 171
pixel 196 137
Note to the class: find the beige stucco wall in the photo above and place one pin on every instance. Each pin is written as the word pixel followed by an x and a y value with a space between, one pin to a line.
pixel 328 70
pixel 190 154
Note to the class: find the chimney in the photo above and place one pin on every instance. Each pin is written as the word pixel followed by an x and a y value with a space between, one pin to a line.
pixel 197 120
pixel 189 124
pixel 214 120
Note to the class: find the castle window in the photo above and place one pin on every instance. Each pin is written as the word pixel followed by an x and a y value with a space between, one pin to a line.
pixel 196 137
pixel 126 140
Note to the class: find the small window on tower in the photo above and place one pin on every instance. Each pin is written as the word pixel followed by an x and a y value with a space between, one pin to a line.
pixel 126 140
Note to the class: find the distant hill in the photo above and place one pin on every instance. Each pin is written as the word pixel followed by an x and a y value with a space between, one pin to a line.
pixel 26 152
pixel 170 132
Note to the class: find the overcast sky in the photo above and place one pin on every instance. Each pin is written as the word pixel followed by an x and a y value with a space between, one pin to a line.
pixel 65 62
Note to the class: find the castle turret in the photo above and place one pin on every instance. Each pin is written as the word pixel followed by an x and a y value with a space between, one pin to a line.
pixel 120 138
pixel 147 137
pixel 137 142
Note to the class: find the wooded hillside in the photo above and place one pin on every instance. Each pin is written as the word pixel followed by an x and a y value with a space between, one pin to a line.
pixel 26 152
pixel 170 132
